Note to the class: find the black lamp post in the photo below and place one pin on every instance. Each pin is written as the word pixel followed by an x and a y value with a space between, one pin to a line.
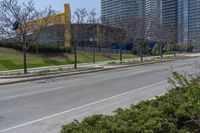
pixel 94 49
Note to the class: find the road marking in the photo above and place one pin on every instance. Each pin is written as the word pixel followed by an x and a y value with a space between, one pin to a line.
pixel 53 89
pixel 29 94
pixel 80 107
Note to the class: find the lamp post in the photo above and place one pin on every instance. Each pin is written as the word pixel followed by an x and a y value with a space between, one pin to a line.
pixel 94 49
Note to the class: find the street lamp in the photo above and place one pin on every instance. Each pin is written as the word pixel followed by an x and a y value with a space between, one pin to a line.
pixel 94 49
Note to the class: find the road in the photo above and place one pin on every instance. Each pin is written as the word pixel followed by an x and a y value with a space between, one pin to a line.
pixel 44 106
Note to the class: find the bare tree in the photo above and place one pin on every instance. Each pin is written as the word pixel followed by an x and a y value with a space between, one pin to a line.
pixel 136 33
pixel 94 22
pixel 105 37
pixel 173 35
pixel 79 27
pixel 20 22
pixel 160 35
pixel 82 28
pixel 119 35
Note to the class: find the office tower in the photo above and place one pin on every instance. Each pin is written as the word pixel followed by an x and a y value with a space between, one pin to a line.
pixel 189 22
pixel 183 23
pixel 169 16
pixel 194 23
pixel 113 10
pixel 152 16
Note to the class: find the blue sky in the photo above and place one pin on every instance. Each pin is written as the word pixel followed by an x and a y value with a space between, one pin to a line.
pixel 59 4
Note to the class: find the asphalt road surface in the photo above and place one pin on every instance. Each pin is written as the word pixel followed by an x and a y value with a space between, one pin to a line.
pixel 44 106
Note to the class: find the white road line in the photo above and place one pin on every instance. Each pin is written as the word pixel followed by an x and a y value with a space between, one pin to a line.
pixel 81 107
pixel 29 94
pixel 53 89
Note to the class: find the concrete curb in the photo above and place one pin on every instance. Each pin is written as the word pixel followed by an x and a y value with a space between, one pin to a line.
pixel 47 74
pixel 89 71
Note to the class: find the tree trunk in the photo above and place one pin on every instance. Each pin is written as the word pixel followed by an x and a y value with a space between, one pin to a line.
pixel 120 54
pixel 109 50
pixel 174 50
pixel 37 50
pixel 161 51
pixel 141 55
pixel 141 51
pixel 75 55
pixel 24 57
pixel 94 53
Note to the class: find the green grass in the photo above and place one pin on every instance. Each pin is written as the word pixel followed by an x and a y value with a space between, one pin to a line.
pixel 11 59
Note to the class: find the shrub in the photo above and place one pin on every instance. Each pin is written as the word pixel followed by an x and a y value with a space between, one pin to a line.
pixel 43 48
pixel 7 44
pixel 176 112
pixel 155 50
pixel 134 51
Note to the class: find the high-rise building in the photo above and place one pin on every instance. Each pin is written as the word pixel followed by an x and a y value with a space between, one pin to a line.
pixel 169 16
pixel 194 22
pixel 113 10
pixel 189 22
pixel 149 10
pixel 181 17
pixel 183 22
pixel 152 15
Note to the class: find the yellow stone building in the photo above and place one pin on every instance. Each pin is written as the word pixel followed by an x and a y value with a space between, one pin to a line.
pixel 61 19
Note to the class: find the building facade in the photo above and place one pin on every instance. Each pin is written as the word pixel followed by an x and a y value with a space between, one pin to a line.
pixel 54 26
pixel 189 23
pixel 153 14
pixel 149 10
pixel 169 16
pixel 183 21
pixel 113 10
pixel 194 23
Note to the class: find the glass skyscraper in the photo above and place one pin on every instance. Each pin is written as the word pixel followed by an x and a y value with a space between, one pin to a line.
pixel 177 16
pixel 152 15
pixel 150 10
pixel 194 21
pixel 169 16
pixel 189 21
pixel 183 25
pixel 113 10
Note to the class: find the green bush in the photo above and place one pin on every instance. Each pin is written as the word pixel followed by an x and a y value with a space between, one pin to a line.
pixel 169 48
pixel 155 50
pixel 134 51
pixel 42 48
pixel 6 44
pixel 176 112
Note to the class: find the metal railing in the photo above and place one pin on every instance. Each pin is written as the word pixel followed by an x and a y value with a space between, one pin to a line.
pixel 102 50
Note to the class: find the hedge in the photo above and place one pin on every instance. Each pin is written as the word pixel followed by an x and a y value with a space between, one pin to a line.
pixel 176 112
pixel 42 48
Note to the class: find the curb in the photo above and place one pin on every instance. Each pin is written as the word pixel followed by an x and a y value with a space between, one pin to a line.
pixel 47 74
pixel 89 71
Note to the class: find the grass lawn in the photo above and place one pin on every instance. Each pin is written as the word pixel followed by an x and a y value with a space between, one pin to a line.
pixel 11 59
